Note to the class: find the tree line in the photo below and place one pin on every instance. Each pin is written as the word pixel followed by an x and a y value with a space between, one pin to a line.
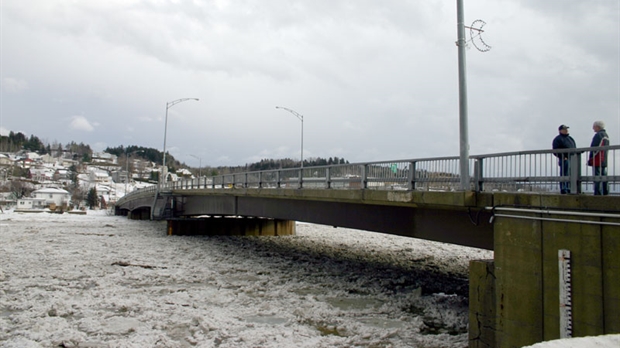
pixel 16 142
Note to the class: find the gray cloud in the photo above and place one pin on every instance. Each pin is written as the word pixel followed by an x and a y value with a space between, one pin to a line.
pixel 374 80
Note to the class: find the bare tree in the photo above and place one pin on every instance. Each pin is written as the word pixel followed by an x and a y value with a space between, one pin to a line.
pixel 19 188
pixel 78 195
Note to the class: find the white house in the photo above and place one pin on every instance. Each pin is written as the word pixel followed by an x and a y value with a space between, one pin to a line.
pixel 97 176
pixel 104 157
pixel 55 196
pixel 29 204
pixel 5 160
pixel 41 173
pixel 42 199
pixel 33 156
pixel 185 173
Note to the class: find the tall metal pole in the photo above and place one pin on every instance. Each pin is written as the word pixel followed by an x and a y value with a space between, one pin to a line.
pixel 127 171
pixel 127 165
pixel 164 168
pixel 301 118
pixel 464 137
pixel 200 165
pixel 168 106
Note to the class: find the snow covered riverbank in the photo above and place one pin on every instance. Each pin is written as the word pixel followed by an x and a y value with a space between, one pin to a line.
pixel 103 281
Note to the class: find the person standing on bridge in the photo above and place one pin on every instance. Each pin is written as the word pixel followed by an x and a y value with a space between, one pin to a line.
pixel 564 141
pixel 598 159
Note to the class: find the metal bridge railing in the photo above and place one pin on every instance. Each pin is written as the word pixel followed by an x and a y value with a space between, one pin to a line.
pixel 525 171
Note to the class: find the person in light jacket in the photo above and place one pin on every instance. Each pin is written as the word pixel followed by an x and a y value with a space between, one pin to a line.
pixel 598 159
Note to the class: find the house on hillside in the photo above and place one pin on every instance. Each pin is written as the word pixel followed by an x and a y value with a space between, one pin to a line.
pixel 67 162
pixel 41 174
pixel 33 156
pixel 44 198
pixel 184 173
pixel 56 196
pixel 97 176
pixel 30 204
pixel 63 176
pixel 24 162
pixel 5 160
pixel 48 159
pixel 104 158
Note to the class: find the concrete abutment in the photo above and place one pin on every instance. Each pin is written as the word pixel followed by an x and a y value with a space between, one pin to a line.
pixel 515 298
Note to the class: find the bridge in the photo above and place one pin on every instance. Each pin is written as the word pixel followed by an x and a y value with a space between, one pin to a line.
pixel 556 268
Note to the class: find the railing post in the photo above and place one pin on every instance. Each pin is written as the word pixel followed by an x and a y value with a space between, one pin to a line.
pixel 411 177
pixel 245 183
pixel 478 170
pixel 364 177
pixel 260 179
pixel 575 173
pixel 278 183
pixel 301 178
pixel 328 178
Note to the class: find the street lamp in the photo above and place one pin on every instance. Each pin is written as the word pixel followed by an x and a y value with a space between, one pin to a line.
pixel 168 106
pixel 301 118
pixel 200 165
pixel 127 166
pixel 164 168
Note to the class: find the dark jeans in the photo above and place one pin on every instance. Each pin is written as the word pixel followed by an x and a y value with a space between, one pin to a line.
pixel 564 171
pixel 601 188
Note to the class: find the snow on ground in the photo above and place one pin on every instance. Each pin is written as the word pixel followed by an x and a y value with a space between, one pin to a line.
pixel 605 341
pixel 97 280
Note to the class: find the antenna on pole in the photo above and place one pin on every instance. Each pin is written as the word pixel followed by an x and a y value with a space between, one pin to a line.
pixel 475 35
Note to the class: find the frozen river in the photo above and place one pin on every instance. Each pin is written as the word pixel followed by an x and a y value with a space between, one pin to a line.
pixel 105 281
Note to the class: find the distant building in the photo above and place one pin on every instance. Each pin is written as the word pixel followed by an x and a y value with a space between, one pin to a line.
pixel 104 158
pixel 30 204
pixel 44 198
pixel 41 173
pixel 97 176
pixel 55 196
pixel 184 173
pixel 5 160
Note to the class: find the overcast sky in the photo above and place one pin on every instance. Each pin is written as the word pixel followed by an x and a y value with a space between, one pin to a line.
pixel 374 80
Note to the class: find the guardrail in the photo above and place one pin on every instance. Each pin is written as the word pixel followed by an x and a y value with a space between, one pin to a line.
pixel 524 171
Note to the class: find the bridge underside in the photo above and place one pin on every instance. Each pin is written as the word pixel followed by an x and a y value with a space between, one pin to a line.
pixel 431 224
pixel 458 226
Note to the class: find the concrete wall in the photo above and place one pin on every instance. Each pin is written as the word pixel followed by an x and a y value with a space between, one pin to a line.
pixel 482 299
pixel 526 286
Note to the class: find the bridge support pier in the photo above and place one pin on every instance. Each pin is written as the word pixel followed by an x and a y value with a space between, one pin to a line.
pixel 231 226
pixel 515 299
pixel 139 214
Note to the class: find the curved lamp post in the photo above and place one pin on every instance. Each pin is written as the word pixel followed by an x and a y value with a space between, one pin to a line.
pixel 164 168
pixel 127 166
pixel 301 118
pixel 199 166
pixel 168 106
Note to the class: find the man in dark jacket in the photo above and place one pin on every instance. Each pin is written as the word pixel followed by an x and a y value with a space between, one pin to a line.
pixel 564 141
pixel 598 159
